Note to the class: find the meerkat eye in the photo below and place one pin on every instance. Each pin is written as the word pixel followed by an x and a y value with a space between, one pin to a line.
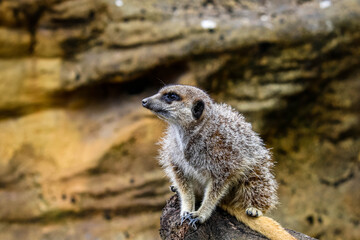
pixel 174 96
pixel 170 97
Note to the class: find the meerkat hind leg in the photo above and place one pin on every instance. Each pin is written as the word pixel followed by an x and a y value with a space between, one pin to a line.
pixel 253 212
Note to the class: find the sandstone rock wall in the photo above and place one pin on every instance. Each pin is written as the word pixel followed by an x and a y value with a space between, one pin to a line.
pixel 77 152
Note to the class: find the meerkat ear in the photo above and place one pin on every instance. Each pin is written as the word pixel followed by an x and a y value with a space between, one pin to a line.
pixel 198 109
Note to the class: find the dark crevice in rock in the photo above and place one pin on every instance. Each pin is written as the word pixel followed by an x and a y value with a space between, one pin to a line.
pixel 132 46
pixel 310 219
pixel 11 181
pixel 102 91
pixel 32 24
pixel 319 235
pixel 18 111
pixel 351 133
pixel 299 2
pixel 63 215
pixel 110 193
pixel 18 171
pixel 107 214
pixel 288 116
pixel 355 222
pixel 150 193
pixel 339 181
pixel 91 24
pixel 73 45
pixel 264 47
pixel 71 22
pixel 132 84
pixel 304 102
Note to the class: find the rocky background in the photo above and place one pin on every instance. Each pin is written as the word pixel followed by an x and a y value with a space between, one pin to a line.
pixel 78 153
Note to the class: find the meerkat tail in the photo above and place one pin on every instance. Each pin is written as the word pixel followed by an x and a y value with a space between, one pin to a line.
pixel 264 225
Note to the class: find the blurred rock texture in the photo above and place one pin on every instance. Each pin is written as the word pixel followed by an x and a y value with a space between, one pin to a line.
pixel 78 154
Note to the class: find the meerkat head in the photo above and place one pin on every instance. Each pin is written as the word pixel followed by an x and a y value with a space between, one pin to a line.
pixel 179 104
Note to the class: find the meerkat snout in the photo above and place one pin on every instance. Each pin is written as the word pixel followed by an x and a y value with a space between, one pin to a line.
pixel 145 102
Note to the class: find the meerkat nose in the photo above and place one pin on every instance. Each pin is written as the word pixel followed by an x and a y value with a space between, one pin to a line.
pixel 144 102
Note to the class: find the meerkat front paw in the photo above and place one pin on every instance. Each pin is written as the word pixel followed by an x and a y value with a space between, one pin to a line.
pixel 194 218
pixel 253 212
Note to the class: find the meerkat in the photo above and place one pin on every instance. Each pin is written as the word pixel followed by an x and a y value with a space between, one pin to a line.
pixel 209 151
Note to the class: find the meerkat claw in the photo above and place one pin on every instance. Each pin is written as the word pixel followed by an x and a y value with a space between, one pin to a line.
pixel 173 188
pixel 253 212
pixel 184 217
pixel 193 222
pixel 182 220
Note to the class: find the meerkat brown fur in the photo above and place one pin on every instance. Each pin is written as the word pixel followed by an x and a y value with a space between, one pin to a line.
pixel 210 152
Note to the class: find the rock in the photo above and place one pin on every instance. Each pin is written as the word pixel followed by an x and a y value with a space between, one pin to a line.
pixel 98 41
pixel 77 153
pixel 14 42
pixel 221 225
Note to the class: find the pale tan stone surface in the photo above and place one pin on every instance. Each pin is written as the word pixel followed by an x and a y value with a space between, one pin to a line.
pixel 14 42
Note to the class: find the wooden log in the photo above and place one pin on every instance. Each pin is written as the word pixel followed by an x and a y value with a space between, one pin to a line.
pixel 221 225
